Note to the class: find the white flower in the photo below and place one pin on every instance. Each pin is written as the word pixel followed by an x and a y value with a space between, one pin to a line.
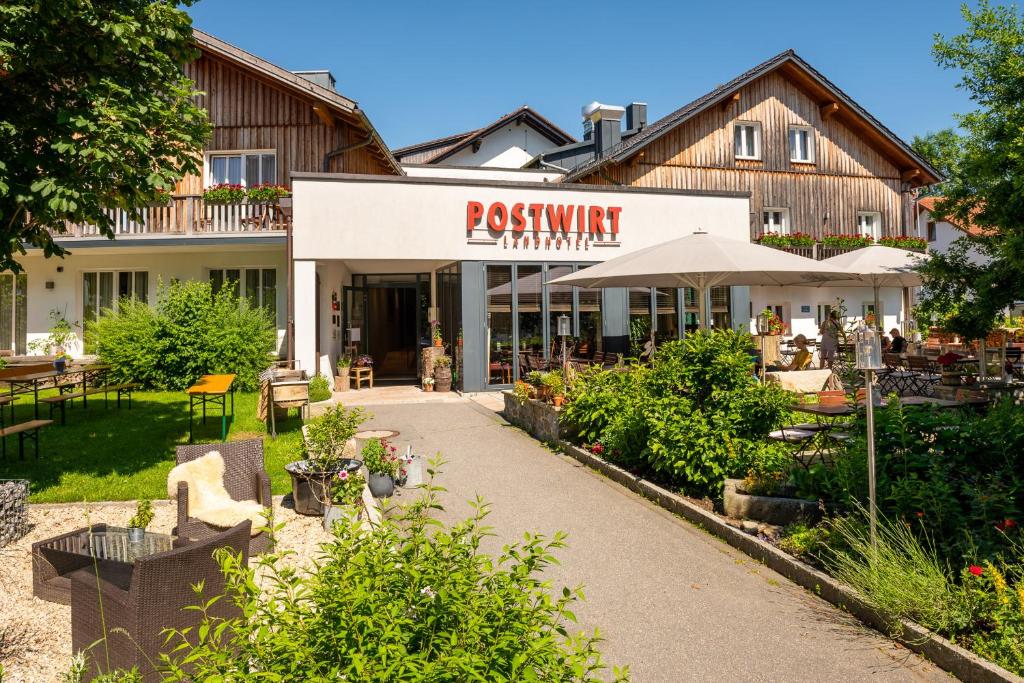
pixel 429 592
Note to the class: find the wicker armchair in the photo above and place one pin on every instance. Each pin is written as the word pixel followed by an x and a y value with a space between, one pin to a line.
pixel 139 601
pixel 244 479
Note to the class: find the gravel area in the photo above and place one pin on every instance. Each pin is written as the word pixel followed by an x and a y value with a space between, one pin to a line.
pixel 35 635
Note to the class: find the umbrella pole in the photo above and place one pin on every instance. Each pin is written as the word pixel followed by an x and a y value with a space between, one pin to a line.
pixel 878 312
pixel 702 303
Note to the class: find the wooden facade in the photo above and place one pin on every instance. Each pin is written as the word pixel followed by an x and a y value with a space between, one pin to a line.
pixel 850 173
pixel 250 113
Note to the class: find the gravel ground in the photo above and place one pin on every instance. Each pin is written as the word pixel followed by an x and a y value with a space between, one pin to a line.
pixel 35 635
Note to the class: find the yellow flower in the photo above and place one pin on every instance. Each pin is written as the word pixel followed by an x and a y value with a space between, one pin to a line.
pixel 999 581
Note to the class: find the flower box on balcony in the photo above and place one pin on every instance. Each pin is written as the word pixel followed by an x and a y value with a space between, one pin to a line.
pixel 794 239
pixel 904 242
pixel 225 193
pixel 851 241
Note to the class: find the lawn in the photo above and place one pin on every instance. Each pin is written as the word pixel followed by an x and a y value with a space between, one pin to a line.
pixel 110 454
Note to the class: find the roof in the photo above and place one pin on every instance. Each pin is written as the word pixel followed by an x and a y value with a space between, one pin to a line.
pixel 346 108
pixel 928 204
pixel 794 64
pixel 447 146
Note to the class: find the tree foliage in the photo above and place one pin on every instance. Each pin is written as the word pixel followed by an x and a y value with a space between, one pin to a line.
pixel 96 114
pixel 986 185
pixel 941 149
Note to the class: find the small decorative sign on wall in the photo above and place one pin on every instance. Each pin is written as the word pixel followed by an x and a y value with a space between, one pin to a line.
pixel 805 309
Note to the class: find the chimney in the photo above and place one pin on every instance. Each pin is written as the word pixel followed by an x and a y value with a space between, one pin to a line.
pixel 606 120
pixel 636 115
pixel 588 129
pixel 323 78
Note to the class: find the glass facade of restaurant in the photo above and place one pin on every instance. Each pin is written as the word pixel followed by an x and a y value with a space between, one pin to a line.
pixel 510 317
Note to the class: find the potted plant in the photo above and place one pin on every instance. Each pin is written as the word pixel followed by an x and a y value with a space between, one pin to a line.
pixel 435 332
pixel 521 391
pixel 382 464
pixel 341 382
pixel 140 520
pixel 61 337
pixel 443 373
pixel 329 449
pixel 428 384
pixel 346 496
pixel 555 385
pixel 61 360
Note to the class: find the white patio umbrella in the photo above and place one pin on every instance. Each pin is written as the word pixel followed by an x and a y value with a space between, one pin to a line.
pixel 878 267
pixel 701 261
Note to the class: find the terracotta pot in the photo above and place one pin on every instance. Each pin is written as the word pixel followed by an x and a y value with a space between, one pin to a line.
pixel 428 387
pixel 557 400
pixel 438 342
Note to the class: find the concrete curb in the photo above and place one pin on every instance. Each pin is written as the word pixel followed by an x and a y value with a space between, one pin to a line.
pixel 963 664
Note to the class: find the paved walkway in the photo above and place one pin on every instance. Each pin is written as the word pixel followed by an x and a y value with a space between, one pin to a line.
pixel 673 602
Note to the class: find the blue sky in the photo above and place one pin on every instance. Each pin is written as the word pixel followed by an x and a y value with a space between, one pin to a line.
pixel 426 69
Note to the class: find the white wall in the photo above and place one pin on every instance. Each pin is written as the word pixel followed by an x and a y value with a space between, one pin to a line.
pixel 508 147
pixel 482 173
pixel 793 298
pixel 945 235
pixel 162 263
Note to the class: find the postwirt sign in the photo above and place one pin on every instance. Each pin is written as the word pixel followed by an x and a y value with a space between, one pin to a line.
pixel 542 226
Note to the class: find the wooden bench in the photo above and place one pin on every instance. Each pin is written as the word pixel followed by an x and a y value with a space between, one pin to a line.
pixel 24 430
pixel 61 400
pixel 123 389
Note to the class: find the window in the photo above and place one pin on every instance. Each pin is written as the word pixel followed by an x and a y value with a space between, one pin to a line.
pixel 260 285
pixel 931 231
pixel 14 312
pixel 824 310
pixel 243 168
pixel 747 140
pixel 499 324
pixel 666 324
pixel 869 224
pixel 776 221
pixel 801 144
pixel 102 290
pixel 868 308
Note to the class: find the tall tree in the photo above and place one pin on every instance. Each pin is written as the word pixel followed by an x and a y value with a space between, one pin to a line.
pixel 941 149
pixel 96 114
pixel 986 187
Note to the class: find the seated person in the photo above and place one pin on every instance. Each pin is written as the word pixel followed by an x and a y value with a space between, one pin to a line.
pixel 898 343
pixel 801 359
pixel 886 344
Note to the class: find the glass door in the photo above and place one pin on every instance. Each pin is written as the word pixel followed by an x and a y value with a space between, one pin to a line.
pixel 354 330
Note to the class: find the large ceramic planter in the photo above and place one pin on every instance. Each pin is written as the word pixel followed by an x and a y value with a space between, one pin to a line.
pixel 308 486
pixel 59 364
pixel 443 378
pixel 951 379
pixel 346 514
pixel 381 485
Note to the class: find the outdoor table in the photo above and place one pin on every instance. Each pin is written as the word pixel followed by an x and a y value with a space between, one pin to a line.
pixel 100 545
pixel 32 380
pixel 212 389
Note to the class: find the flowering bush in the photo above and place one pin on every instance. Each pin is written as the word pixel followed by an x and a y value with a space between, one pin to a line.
pixel 380 457
pixel 847 241
pixel 793 239
pixel 904 242
pixel 347 487
pixel 267 193
pixel 224 193
pixel 775 324
pixel 949 359
pixel 435 330
pixel 364 361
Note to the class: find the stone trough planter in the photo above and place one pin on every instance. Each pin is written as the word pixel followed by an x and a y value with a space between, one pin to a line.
pixel 776 510
pixel 537 418
pixel 13 496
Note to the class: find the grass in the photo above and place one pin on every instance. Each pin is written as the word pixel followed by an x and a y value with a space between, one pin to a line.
pixel 110 454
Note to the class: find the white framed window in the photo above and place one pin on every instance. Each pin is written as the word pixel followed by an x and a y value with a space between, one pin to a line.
pixel 801 144
pixel 824 311
pixel 257 167
pixel 259 285
pixel 747 140
pixel 775 220
pixel 869 224
pixel 931 231
pixel 102 289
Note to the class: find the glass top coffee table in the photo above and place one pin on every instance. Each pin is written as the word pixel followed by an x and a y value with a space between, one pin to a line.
pixel 55 558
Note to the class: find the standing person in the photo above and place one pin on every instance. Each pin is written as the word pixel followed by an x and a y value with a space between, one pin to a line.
pixel 829 331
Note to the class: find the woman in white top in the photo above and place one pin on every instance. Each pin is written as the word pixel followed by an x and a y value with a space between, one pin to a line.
pixel 829 331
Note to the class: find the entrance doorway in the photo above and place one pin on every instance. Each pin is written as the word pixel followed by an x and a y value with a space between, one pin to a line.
pixel 386 319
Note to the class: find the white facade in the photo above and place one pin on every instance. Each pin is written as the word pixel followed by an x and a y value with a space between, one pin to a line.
pixel 803 307
pixel 58 284
pixel 510 146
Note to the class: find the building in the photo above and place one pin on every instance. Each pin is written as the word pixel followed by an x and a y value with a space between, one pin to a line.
pixel 468 229
pixel 267 122
pixel 812 159
pixel 939 232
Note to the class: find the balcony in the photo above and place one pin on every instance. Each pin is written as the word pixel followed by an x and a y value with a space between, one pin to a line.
pixel 818 250
pixel 190 215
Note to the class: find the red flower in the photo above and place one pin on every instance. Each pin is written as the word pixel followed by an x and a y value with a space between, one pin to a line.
pixel 1005 525
pixel 976 570
pixel 919 514
pixel 597 449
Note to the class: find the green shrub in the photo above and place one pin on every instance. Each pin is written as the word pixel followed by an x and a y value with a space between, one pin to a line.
pixel 326 436
pixel 188 333
pixel 696 416
pixel 806 541
pixel 319 389
pixel 412 601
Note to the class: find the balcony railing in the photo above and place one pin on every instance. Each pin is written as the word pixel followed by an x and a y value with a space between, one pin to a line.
pixel 190 215
pixel 819 251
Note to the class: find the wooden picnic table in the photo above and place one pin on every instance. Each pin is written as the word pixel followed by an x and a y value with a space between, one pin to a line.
pixel 846 409
pixel 31 381
pixel 212 389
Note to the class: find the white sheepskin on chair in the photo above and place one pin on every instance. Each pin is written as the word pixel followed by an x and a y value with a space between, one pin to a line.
pixel 208 500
